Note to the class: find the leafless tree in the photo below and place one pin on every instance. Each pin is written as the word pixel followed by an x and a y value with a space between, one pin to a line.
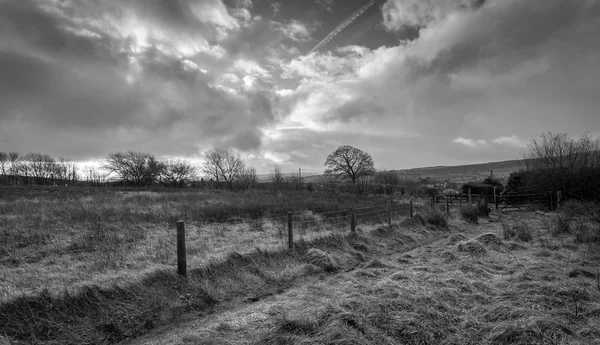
pixel 178 172
pixel 276 177
pixel 96 176
pixel 223 165
pixel 40 166
pixel 213 160
pixel 248 178
pixel 3 162
pixel 137 168
pixel 349 161
pixel 555 162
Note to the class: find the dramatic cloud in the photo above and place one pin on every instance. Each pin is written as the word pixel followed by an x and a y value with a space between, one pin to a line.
pixel 412 82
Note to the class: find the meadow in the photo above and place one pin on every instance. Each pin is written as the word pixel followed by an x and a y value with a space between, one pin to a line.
pixel 97 266
pixel 60 239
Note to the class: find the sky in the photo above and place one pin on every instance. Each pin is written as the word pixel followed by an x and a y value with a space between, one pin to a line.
pixel 412 82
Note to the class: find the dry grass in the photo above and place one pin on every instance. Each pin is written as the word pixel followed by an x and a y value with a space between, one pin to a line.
pixel 472 288
pixel 125 311
pixel 65 238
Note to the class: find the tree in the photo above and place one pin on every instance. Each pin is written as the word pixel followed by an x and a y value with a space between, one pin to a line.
pixel 39 166
pixel 137 168
pixel 177 173
pixel 387 181
pixel 3 162
pixel 13 157
pixel 224 165
pixel 248 178
pixel 213 160
pixel 276 177
pixel 556 162
pixel 350 161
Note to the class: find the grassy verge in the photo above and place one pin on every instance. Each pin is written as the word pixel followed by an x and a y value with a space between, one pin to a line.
pixel 97 315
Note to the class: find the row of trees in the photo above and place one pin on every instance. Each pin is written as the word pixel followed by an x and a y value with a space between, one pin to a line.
pixel 37 166
pixel 555 162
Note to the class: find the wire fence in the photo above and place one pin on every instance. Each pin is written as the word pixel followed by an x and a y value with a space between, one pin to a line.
pixel 295 225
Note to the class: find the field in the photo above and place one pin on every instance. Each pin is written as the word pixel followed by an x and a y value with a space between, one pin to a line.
pixel 97 266
pixel 64 238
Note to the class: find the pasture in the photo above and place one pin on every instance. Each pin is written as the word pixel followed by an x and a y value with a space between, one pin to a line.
pixel 60 239
pixel 97 266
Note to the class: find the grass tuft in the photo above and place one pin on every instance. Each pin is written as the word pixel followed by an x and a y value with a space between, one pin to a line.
pixel 470 213
pixel 471 247
pixel 434 217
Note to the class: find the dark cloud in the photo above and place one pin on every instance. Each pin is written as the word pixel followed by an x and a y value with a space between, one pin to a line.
pixel 103 89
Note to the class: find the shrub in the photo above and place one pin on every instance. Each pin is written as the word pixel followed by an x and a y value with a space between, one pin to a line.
pixel 523 232
pixel 507 231
pixel 561 224
pixel 435 217
pixel 484 209
pixel 470 213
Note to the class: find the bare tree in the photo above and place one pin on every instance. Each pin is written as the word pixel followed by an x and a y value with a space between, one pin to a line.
pixel 276 177
pixel 232 167
pixel 96 176
pixel 555 162
pixel 3 162
pixel 177 173
pixel 223 165
pixel 13 157
pixel 349 161
pixel 137 168
pixel 213 160
pixel 39 166
pixel 248 178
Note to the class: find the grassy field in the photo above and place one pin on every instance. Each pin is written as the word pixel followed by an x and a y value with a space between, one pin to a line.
pixel 506 280
pixel 97 267
pixel 60 239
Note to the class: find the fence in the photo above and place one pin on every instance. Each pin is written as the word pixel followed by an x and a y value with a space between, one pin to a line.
pixel 505 202
pixel 107 243
pixel 294 223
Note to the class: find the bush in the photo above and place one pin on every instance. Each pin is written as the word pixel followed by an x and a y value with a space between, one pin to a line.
pixel 435 218
pixel 561 224
pixel 484 209
pixel 507 231
pixel 470 213
pixel 523 232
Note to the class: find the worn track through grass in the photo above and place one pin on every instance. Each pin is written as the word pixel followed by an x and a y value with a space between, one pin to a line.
pixel 99 315
pixel 471 287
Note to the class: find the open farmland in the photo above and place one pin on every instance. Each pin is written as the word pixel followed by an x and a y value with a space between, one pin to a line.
pixel 56 238
pixel 519 278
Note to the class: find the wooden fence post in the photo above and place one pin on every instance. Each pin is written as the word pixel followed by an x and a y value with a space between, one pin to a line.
pixel 389 214
pixel 290 233
pixel 550 201
pixel 411 209
pixel 558 199
pixel 447 206
pixel 495 199
pixel 352 220
pixel 181 258
pixel 469 196
pixel 460 201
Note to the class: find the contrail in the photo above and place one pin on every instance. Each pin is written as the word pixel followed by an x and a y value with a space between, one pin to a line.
pixel 343 25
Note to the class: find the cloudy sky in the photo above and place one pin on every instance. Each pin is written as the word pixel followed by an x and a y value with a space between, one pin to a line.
pixel 413 82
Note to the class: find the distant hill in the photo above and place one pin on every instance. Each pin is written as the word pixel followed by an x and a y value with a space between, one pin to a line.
pixel 463 173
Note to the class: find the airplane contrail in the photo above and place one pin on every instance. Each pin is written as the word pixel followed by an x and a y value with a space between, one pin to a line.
pixel 342 25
